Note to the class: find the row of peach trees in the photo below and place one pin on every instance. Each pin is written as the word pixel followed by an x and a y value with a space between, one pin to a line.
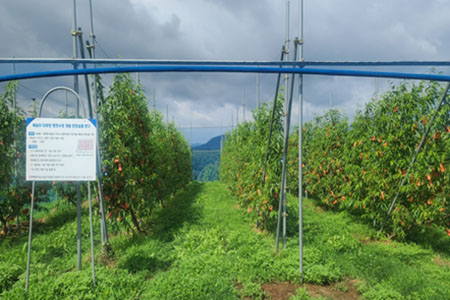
pixel 145 161
pixel 358 167
pixel 355 166
pixel 242 164
pixel 13 191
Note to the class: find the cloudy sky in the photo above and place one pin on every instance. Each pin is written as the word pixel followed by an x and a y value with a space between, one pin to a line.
pixel 226 30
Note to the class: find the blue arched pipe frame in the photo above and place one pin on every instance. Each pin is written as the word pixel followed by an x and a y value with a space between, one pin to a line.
pixel 226 69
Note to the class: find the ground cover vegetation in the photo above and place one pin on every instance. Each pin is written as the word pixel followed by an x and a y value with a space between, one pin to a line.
pixel 204 247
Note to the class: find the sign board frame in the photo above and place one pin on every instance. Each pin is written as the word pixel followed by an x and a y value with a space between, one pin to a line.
pixel 61 149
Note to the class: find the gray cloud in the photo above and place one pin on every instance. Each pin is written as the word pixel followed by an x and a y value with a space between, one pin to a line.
pixel 226 30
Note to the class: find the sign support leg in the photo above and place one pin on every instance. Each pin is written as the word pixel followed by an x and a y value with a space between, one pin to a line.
pixel 78 226
pixel 29 237
pixel 92 234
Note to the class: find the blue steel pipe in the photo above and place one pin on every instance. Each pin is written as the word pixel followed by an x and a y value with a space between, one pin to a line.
pixel 227 69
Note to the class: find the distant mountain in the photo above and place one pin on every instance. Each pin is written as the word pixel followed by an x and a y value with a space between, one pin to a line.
pixel 196 145
pixel 212 144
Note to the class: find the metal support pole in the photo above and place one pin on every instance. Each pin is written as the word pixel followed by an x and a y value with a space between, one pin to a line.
pixel 103 229
pixel 91 228
pixel 78 226
pixel 300 142
pixel 103 226
pixel 15 145
pixel 282 193
pixel 283 200
pixel 29 237
pixel 285 112
pixel 75 52
pixel 86 79
pixel 272 118
pixel 76 88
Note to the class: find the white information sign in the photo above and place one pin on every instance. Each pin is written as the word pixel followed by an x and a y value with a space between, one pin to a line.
pixel 61 149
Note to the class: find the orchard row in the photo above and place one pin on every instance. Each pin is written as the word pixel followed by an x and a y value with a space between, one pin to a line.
pixel 355 166
pixel 144 160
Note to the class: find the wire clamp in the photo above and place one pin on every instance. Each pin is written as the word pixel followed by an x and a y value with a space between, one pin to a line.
pixel 298 41
pixel 76 32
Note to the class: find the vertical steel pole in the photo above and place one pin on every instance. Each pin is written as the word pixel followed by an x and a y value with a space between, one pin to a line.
pixel 78 226
pixel 285 105
pixel 272 118
pixel 103 226
pixel 283 52
pixel 76 88
pixel 86 79
pixel 300 142
pixel 29 237
pixel 285 153
pixel 103 229
pixel 15 145
pixel 91 228
pixel 75 51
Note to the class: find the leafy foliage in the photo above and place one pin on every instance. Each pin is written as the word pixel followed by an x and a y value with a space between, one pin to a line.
pixel 201 160
pixel 359 167
pixel 15 191
pixel 210 172
pixel 145 161
pixel 242 163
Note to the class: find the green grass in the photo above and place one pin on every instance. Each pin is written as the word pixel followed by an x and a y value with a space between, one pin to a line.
pixel 202 247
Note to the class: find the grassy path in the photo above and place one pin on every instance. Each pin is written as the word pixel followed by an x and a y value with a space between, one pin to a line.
pixel 202 247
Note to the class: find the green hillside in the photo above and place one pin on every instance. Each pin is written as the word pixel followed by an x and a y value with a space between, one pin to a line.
pixel 201 246
pixel 205 165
